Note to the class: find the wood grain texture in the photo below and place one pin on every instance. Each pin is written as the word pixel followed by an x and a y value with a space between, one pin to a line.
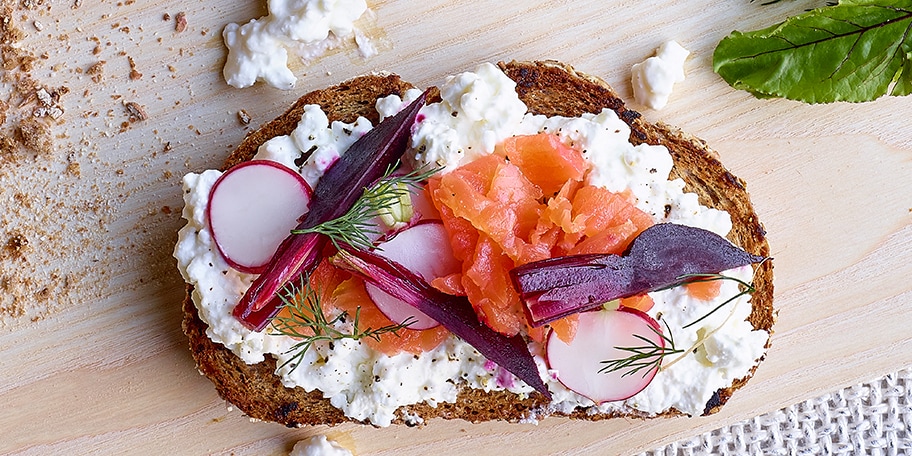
pixel 104 369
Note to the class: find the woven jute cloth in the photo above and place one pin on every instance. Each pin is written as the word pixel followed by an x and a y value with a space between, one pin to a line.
pixel 873 418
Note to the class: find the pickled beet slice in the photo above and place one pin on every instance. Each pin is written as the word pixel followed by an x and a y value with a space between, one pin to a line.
pixel 424 249
pixel 661 256
pixel 344 182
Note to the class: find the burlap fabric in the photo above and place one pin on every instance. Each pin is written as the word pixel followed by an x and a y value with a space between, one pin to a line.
pixel 872 418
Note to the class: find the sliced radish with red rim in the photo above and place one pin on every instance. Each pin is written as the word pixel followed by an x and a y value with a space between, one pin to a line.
pixel 598 336
pixel 423 248
pixel 252 208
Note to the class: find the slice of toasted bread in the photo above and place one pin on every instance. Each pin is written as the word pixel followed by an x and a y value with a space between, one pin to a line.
pixel 548 88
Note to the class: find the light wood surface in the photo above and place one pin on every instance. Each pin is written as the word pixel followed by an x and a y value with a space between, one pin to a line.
pixel 98 364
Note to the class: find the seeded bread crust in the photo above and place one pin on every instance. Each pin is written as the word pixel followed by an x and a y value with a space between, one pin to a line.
pixel 549 88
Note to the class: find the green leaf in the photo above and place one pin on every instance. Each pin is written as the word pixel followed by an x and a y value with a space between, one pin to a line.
pixel 857 50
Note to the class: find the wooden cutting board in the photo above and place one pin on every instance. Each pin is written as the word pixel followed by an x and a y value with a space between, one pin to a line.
pixel 91 351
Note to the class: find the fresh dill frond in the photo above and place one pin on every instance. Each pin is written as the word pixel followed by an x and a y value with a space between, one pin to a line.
pixel 356 226
pixel 746 288
pixel 646 357
pixel 306 321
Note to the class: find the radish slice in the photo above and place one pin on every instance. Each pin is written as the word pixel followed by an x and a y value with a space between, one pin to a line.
pixel 423 206
pixel 423 249
pixel 252 208
pixel 597 336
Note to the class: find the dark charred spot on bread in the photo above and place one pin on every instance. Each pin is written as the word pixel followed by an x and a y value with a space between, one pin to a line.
pixel 629 115
pixel 721 397
pixel 713 402
pixel 285 410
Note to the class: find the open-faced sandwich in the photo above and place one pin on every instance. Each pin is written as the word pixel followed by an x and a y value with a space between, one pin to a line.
pixel 511 245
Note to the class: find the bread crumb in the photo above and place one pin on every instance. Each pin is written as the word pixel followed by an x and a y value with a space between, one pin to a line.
pixel 243 117
pixel 43 294
pixel 135 111
pixel 180 22
pixel 134 74
pixel 96 71
pixel 35 135
pixel 15 246
pixel 7 148
pixel 31 4
pixel 11 56
pixel 49 102
pixel 4 107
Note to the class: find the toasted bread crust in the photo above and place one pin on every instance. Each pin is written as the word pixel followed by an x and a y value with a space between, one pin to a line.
pixel 548 88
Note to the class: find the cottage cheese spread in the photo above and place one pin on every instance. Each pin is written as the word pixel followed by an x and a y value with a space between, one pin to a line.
pixel 654 78
pixel 479 109
pixel 367 385
pixel 258 50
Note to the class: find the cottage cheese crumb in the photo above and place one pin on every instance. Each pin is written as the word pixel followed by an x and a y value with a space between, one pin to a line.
pixel 318 446
pixel 258 50
pixel 654 78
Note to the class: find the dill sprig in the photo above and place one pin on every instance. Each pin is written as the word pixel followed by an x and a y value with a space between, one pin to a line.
pixel 646 357
pixel 357 225
pixel 746 288
pixel 307 322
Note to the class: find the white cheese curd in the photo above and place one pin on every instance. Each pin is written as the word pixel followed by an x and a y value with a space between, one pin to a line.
pixel 318 445
pixel 478 110
pixel 258 50
pixel 281 149
pixel 368 385
pixel 391 105
pixel 326 142
pixel 255 55
pixel 654 78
